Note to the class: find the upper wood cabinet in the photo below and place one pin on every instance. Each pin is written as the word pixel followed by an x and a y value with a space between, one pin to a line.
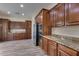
pixel 39 17
pixel 43 17
pixel 57 15
pixel 73 14
pixel 52 17
pixel 17 25
pixel 46 30
pixel 65 14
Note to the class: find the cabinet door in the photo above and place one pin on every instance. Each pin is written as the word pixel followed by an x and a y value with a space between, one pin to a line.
pixel 46 30
pixel 73 14
pixel 5 29
pixel 52 18
pixel 39 18
pixel 63 50
pixel 45 44
pixel 52 48
pixel 1 31
pixel 62 53
pixel 28 33
pixel 28 24
pixel 59 15
pixel 28 29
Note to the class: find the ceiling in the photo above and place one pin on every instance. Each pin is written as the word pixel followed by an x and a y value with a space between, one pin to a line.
pixel 30 9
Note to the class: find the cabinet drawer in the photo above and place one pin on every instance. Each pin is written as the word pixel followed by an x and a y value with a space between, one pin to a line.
pixel 69 51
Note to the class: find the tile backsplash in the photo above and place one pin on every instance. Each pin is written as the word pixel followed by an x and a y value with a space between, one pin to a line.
pixel 72 31
pixel 18 30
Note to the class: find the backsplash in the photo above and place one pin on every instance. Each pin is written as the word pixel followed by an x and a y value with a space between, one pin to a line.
pixel 72 31
pixel 18 30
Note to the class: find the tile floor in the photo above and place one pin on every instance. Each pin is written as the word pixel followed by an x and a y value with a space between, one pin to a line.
pixel 20 48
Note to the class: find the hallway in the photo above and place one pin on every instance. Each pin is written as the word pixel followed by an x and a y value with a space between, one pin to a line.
pixel 20 48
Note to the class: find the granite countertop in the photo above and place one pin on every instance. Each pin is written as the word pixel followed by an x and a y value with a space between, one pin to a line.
pixel 67 41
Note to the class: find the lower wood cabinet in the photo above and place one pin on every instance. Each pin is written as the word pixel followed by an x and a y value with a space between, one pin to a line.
pixel 40 43
pixel 66 51
pixel 49 46
pixel 10 36
pixel 44 44
pixel 28 35
pixel 62 53
pixel 19 36
pixel 53 48
pixel 4 28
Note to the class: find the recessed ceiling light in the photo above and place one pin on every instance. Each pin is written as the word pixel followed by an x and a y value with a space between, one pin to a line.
pixel 22 14
pixel 21 5
pixel 9 12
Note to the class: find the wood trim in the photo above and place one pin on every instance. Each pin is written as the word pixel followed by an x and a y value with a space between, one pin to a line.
pixel 54 6
pixel 40 12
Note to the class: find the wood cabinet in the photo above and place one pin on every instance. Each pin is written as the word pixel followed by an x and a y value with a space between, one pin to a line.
pixel 49 46
pixel 65 14
pixel 46 30
pixel 27 25
pixel 57 15
pixel 43 19
pixel 41 42
pixel 39 17
pixel 65 51
pixel 19 36
pixel 10 36
pixel 73 14
pixel 52 18
pixel 1 30
pixel 52 48
pixel 44 44
pixel 17 25
pixel 28 29
pixel 62 53
pixel 4 29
